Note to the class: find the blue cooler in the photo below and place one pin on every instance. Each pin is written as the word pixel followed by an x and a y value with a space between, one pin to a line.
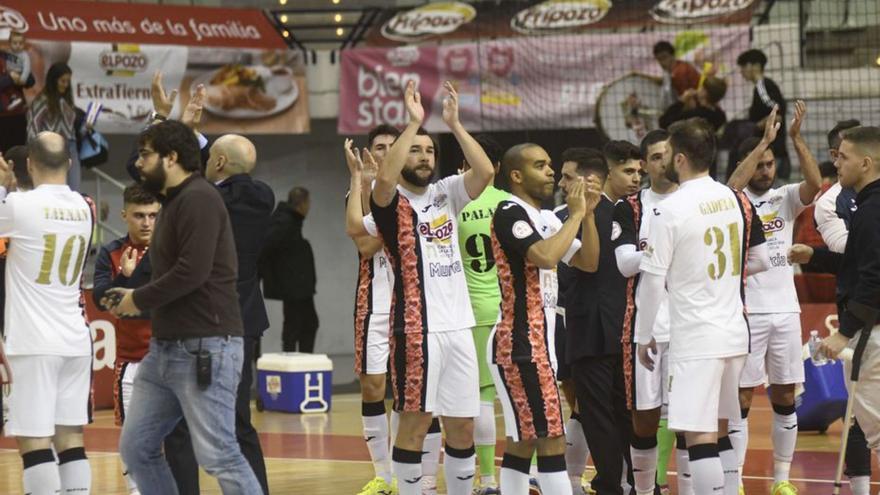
pixel 295 382
pixel 824 399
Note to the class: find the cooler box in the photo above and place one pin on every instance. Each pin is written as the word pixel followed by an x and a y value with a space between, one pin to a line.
pixel 295 382
pixel 824 399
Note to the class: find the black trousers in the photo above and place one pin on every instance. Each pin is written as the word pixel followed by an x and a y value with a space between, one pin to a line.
pixel 245 432
pixel 607 425
pixel 300 325
pixel 178 447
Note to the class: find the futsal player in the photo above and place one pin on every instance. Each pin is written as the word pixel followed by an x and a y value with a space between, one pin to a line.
pixel 646 388
pixel 528 243
pixel 371 313
pixel 704 239
pixel 433 359
pixel 771 299
pixel 48 343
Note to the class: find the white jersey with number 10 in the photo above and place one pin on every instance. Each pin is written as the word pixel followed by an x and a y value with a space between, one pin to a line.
pixel 49 231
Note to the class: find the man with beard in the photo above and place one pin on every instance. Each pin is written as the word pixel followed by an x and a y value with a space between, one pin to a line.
pixel 528 243
pixel 433 359
pixel 699 242
pixel 193 367
pixel 772 303
pixel 594 304
pixel 645 386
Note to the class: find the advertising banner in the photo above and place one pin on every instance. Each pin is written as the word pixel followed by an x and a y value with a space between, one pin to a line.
pixel 254 83
pixel 447 21
pixel 536 82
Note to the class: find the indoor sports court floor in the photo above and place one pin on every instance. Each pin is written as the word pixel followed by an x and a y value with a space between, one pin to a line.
pixel 325 454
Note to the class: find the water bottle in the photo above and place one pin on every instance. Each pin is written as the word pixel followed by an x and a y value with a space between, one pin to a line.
pixel 817 356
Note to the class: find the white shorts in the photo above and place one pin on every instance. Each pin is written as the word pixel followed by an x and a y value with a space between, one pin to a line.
pixel 701 391
pixel 436 373
pixel 777 349
pixel 123 386
pixel 372 347
pixel 48 391
pixel 651 387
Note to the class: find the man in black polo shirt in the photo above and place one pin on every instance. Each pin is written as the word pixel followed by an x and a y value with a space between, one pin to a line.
pixel 594 320
pixel 194 365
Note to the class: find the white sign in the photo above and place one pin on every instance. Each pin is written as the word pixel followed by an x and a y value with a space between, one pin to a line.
pixel 686 11
pixel 428 20
pixel 558 15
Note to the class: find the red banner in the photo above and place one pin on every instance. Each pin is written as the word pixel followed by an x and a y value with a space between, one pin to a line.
pixel 144 23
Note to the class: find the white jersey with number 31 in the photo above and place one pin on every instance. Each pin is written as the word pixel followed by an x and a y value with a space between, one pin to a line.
pixel 49 231
pixel 698 242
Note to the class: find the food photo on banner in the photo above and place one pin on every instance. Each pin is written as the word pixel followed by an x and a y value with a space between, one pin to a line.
pixel 255 84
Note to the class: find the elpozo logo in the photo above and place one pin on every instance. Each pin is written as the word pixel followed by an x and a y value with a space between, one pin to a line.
pixel 11 20
pixel 124 61
pixel 687 11
pixel 428 20
pixel 557 15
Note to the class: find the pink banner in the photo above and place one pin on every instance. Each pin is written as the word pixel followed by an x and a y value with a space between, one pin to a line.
pixel 547 82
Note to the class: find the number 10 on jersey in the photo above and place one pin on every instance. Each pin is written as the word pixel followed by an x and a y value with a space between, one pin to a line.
pixel 47 266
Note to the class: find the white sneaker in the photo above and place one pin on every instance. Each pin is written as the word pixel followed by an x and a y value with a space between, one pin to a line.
pixel 429 485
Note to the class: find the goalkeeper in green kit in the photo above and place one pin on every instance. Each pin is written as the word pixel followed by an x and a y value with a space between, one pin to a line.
pixel 479 267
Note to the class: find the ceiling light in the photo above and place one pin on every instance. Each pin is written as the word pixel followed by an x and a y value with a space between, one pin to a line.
pixel 878 60
pixel 284 18
pixel 339 31
pixel 282 2
pixel 337 17
pixel 335 2
pixel 286 33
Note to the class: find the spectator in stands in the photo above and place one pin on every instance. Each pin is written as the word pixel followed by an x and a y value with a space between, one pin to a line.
pixel 53 110
pixel 287 267
pixel 678 75
pixel 765 96
pixel 15 76
pixel 701 102
pixel 17 159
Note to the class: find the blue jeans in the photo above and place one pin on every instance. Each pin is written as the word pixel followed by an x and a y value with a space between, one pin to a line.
pixel 165 390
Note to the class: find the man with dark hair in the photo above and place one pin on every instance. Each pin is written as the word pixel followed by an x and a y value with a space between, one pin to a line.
pixel 701 102
pixel 775 353
pixel 124 263
pixel 701 238
pixel 371 311
pixel 765 97
pixel 528 243
pixel 48 343
pixel 434 363
pixel 475 243
pixel 594 311
pixel 193 368
pixel 288 271
pixel 576 163
pixel 858 165
pixel 624 169
pixel 678 75
pixel 231 159
pixel 645 387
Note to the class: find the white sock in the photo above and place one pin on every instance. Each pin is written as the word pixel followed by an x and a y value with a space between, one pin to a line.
pixel 730 464
pixel 644 460
pixel 624 478
pixel 738 431
pixel 552 475
pixel 860 485
pixel 75 472
pixel 41 475
pixel 407 468
pixel 431 449
pixel 515 475
pixel 785 432
pixel 484 436
pixel 682 466
pixel 706 470
pixel 129 481
pixel 376 436
pixel 459 466
pixel 395 423
pixel 576 451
